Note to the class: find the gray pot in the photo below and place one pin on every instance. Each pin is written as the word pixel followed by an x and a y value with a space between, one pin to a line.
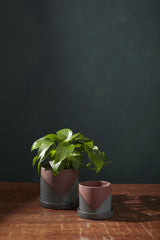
pixel 95 199
pixel 59 192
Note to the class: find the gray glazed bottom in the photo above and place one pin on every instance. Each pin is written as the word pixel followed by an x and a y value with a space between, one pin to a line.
pixel 95 216
pixel 62 205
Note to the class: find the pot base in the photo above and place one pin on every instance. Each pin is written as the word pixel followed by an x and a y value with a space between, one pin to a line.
pixel 95 216
pixel 56 206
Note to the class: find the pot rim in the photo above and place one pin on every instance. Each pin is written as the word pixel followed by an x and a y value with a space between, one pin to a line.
pixel 66 169
pixel 94 184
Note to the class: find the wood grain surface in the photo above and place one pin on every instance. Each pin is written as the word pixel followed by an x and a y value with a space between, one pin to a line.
pixel 136 215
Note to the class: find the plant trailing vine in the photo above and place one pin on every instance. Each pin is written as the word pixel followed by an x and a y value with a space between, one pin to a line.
pixel 65 150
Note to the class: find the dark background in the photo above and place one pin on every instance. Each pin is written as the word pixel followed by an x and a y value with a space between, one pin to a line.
pixel 89 65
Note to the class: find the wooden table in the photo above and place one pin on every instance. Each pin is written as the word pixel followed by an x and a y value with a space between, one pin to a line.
pixel 136 216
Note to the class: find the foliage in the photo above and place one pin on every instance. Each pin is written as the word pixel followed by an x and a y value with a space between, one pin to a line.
pixel 65 150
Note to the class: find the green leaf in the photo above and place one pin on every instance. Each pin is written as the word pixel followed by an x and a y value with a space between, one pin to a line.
pixel 37 144
pixel 38 167
pixel 55 166
pixel 97 159
pixel 64 134
pixel 52 153
pixel 34 160
pixel 76 159
pixel 88 145
pixel 63 151
pixel 52 137
pixel 82 138
pixel 76 162
pixel 75 154
pixel 72 137
pixel 78 145
pixel 95 148
pixel 42 152
pixel 89 166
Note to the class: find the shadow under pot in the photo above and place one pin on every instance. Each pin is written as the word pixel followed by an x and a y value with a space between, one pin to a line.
pixel 95 199
pixel 59 192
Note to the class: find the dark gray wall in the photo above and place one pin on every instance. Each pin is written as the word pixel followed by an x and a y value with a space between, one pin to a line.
pixel 89 65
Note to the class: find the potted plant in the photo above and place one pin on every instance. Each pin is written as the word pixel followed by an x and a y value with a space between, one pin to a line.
pixel 59 157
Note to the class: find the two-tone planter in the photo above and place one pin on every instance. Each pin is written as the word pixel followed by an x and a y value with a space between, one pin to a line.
pixel 95 200
pixel 59 192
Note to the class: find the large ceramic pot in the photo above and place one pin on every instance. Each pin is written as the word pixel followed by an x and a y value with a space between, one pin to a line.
pixel 59 192
pixel 95 200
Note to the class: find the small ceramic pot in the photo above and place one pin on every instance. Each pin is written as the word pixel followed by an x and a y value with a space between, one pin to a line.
pixel 59 192
pixel 95 200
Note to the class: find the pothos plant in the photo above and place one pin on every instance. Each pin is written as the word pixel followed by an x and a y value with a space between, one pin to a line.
pixel 66 150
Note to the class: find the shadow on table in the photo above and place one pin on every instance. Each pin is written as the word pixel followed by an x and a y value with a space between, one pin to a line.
pixel 135 208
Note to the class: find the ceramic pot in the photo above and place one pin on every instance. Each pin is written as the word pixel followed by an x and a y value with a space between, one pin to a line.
pixel 59 192
pixel 95 200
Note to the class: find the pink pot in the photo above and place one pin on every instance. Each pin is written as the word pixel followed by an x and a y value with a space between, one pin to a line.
pixel 95 199
pixel 59 192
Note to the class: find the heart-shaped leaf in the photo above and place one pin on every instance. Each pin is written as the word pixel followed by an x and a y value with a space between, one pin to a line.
pixel 63 151
pixel 72 137
pixel 97 159
pixel 42 152
pixel 55 166
pixel 37 144
pixel 52 137
pixel 64 134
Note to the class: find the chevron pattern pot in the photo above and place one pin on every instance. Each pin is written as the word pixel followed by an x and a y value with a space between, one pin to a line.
pixel 59 192
pixel 95 200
